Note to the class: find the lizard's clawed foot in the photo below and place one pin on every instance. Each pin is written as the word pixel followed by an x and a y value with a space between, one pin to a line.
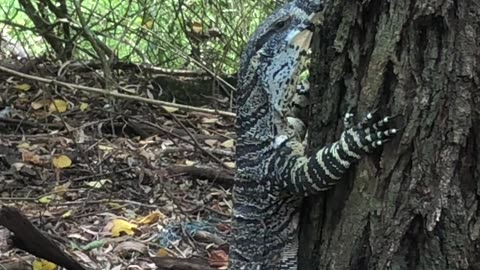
pixel 370 133
pixel 348 121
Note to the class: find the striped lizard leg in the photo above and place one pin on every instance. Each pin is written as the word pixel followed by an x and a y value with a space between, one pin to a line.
pixel 300 174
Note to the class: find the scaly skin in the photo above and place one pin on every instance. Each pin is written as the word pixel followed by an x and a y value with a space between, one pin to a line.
pixel 273 173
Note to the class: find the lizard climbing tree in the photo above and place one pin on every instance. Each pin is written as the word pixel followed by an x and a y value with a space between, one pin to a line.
pixel 413 204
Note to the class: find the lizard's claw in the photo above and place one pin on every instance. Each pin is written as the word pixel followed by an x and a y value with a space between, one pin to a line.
pixel 348 120
pixel 370 133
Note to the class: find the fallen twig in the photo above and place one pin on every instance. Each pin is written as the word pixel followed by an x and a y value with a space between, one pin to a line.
pixel 114 94
pixel 221 176
pixel 32 240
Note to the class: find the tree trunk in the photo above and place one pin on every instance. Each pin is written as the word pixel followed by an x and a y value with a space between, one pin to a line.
pixel 414 204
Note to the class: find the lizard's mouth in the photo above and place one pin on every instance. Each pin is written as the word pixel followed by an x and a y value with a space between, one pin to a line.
pixel 301 39
pixel 316 18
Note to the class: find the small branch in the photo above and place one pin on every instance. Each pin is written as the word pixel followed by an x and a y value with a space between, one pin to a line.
pixel 96 45
pixel 222 176
pixel 170 263
pixel 29 238
pixel 118 95
pixel 187 148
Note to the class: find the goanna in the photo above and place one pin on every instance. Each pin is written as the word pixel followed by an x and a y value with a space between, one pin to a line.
pixel 273 173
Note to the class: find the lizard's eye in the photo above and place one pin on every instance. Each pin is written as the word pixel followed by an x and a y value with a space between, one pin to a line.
pixel 278 26
pixel 282 23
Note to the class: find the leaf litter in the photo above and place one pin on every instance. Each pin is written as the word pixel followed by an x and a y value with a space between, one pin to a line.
pixel 115 185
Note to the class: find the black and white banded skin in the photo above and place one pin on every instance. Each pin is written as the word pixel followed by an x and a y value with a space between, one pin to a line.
pixel 273 173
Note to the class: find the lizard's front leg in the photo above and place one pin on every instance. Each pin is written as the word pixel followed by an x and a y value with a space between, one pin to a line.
pixel 300 174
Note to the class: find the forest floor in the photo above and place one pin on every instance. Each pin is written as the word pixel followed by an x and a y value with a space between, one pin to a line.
pixel 114 181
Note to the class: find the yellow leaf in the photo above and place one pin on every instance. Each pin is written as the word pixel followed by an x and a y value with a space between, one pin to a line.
pixel 228 143
pixel 38 104
pixel 61 162
pixel 23 87
pixel 121 226
pixel 197 27
pixel 230 165
pixel 163 253
pixel 58 105
pixel 47 199
pixel 170 109
pixel 67 214
pixel 83 106
pixel 23 145
pixel 148 24
pixel 151 218
pixel 99 183
pixel 42 264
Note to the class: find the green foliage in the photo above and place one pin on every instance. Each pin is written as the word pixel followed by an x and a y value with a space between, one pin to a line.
pixel 168 33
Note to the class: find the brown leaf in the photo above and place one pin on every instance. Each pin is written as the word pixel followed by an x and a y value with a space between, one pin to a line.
pixel 218 258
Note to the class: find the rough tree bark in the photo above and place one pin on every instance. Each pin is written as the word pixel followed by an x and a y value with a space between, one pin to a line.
pixel 415 204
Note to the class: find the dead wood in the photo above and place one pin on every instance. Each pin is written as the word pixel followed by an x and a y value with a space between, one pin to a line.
pixel 221 176
pixel 30 239
pixel 170 263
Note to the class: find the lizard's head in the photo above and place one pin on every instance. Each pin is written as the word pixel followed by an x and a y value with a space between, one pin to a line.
pixel 276 52
pixel 271 64
pixel 286 32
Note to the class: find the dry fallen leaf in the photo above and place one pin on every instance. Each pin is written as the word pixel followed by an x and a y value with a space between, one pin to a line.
pixel 67 214
pixel 58 105
pixel 151 218
pixel 61 162
pixel 190 162
pixel 83 106
pixel 106 148
pixel 206 120
pixel 31 157
pixel 24 145
pixel 122 226
pixel 99 183
pixel 42 264
pixel 170 109
pixel 23 87
pixel 163 253
pixel 230 165
pixel 211 143
pixel 61 189
pixel 47 198
pixel 218 258
pixel 228 143
pixel 38 104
